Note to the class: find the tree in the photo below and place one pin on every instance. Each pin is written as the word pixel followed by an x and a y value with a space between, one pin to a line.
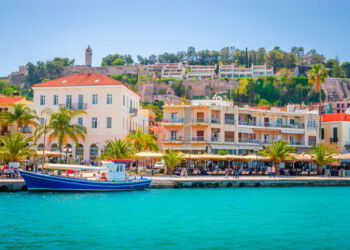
pixel 179 88
pixel 117 59
pixel 118 149
pixel 128 60
pixel 16 147
pixel 336 69
pixel 317 76
pixel 278 152
pixel 142 141
pixel 61 129
pixel 191 55
pixel 321 154
pixel 21 115
pixel 346 68
pixel 260 57
pixel 171 159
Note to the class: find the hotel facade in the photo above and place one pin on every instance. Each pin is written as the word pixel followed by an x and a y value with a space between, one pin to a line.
pixel 180 71
pixel 211 125
pixel 112 110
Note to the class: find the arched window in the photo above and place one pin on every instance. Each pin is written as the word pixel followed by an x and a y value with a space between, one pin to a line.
pixel 41 146
pixel 54 147
pixel 93 152
pixel 79 152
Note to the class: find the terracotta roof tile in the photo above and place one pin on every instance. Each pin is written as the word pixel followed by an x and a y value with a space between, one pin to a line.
pixel 336 117
pixel 12 99
pixel 81 80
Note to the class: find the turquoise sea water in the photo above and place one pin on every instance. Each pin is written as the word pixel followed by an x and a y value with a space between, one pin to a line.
pixel 263 218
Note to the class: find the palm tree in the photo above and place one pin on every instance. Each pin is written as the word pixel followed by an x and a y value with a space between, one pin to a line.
pixel 317 75
pixel 279 151
pixel 16 147
pixel 61 129
pixel 118 149
pixel 21 115
pixel 321 154
pixel 172 158
pixel 142 141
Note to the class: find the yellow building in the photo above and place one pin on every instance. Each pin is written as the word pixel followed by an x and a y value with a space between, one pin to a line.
pixel 5 105
pixel 212 125
pixel 152 125
pixel 335 131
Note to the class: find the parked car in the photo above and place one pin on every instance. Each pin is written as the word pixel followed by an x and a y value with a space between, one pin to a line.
pixel 159 165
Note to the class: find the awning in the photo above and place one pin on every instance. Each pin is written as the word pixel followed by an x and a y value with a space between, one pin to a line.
pixel 292 132
pixel 77 167
pixel 149 155
pixel 185 148
pixel 246 130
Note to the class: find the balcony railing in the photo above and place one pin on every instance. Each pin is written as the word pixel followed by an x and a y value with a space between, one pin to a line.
pixel 230 121
pixel 270 124
pixel 133 111
pixel 229 139
pixel 333 140
pixel 26 130
pixel 74 106
pixel 199 120
pixel 297 143
pixel 174 120
pixel 175 139
pixel 198 138
pixel 215 139
pixel 216 121
pixel 311 143
pixel 247 140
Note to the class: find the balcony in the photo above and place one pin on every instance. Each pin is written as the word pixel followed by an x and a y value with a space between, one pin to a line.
pixel 199 120
pixel 174 120
pixel 271 125
pixel 174 139
pixel 229 139
pixel 296 143
pixel 229 122
pixel 247 140
pixel 26 130
pixel 198 139
pixel 215 121
pixel 132 112
pixel 215 139
pixel 74 106
pixel 333 140
pixel 311 143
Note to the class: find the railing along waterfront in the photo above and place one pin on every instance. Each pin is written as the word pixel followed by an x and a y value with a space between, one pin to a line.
pixel 74 106
pixel 270 124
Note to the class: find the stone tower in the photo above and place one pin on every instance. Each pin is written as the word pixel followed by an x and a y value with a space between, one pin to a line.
pixel 88 56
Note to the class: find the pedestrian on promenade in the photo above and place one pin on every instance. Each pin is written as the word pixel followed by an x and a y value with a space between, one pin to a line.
pixel 273 171
pixel 238 172
pixel 226 173
pixel 269 171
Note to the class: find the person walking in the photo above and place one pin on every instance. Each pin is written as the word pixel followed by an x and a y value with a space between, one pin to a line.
pixel 273 171
pixel 269 171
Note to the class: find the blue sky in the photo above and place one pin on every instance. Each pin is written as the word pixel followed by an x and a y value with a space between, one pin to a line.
pixel 42 29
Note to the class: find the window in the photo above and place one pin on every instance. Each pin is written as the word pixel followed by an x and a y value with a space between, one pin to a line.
pixel 123 123
pixel 81 121
pixel 94 99
pixel 69 101
pixel 94 122
pixel 322 133
pixel 127 101
pixel 279 122
pixel 109 122
pixel 109 98
pixel 291 121
pixel 55 100
pixel 311 123
pixel 42 121
pixel 123 100
pixel 173 135
pixel 42 100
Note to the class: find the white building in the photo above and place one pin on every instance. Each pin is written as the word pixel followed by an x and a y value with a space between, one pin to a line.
pixel 112 110
pixel 231 71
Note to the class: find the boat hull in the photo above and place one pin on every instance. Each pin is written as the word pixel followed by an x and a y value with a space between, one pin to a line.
pixel 42 182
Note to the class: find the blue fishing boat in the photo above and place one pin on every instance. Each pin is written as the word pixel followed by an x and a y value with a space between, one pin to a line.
pixel 111 176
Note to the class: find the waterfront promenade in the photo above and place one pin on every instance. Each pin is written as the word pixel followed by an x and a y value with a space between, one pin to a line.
pixel 8 185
